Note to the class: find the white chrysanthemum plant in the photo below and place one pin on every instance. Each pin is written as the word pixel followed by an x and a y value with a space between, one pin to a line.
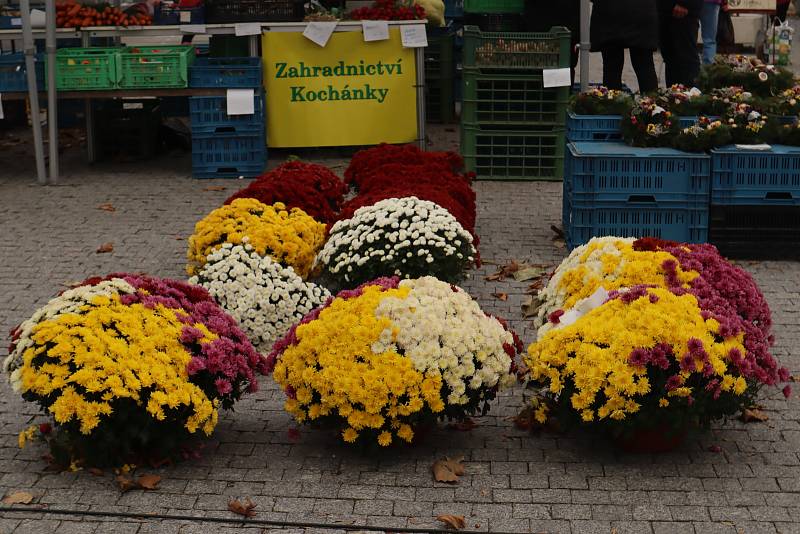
pixel 264 297
pixel 443 330
pixel 405 237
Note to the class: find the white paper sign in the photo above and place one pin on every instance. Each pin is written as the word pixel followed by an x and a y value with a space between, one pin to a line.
pixel 319 32
pixel 557 77
pixel 414 36
pixel 762 146
pixel 247 28
pixel 193 28
pixel 1 107
pixel 241 102
pixel 16 22
pixel 375 30
pixel 186 16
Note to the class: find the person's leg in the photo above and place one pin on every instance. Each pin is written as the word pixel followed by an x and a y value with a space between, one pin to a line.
pixel 642 61
pixel 666 40
pixel 685 61
pixel 709 18
pixel 613 61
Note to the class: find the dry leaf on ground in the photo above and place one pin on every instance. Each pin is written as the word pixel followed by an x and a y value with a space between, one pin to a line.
pixel 18 497
pixel 530 308
pixel 96 472
pixel 751 414
pixel 214 188
pixel 126 483
pixel 105 247
pixel 500 296
pixel 529 273
pixel 559 243
pixel 465 425
pixel 148 482
pixel 558 231
pixel 107 207
pixel 448 470
pixel 452 521
pixel 504 271
pixel 245 508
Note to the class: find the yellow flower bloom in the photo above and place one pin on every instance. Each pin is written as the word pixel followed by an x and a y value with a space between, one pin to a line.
pixel 384 439
pixel 29 434
pixel 290 237
pixel 74 353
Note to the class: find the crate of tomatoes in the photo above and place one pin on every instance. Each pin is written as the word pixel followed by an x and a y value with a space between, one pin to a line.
pixel 72 14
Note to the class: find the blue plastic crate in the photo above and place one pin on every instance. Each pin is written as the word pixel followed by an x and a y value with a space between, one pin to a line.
pixel 228 156
pixel 14 74
pixel 10 23
pixel 603 127
pixel 756 177
pixel 453 9
pixel 615 172
pixel 593 127
pixel 171 15
pixel 666 220
pixel 209 115
pixel 228 72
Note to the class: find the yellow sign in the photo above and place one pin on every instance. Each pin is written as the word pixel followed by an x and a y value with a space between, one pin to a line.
pixel 350 92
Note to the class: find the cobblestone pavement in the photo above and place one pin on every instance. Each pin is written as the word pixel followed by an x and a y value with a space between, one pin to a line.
pixel 515 482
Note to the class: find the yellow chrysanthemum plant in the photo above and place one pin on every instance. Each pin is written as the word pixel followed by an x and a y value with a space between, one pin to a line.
pixel 381 361
pixel 650 336
pixel 289 236
pixel 130 368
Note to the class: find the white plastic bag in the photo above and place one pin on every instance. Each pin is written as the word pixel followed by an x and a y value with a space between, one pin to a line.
pixel 778 44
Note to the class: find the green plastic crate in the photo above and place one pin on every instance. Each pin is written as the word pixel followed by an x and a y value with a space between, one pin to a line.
pixel 514 51
pixel 87 69
pixel 494 6
pixel 522 154
pixel 507 99
pixel 440 105
pixel 155 66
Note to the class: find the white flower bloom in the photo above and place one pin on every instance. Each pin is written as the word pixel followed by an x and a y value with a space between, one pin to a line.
pixel 264 297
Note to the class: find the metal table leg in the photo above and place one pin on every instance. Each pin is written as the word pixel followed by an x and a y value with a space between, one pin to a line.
pixel 86 41
pixel 419 57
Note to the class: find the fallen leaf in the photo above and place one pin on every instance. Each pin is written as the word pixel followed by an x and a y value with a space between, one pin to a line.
pixel 107 207
pixel 558 231
pixel 465 425
pixel 715 448
pixel 535 287
pixel 559 243
pixel 126 483
pixel 96 472
pixel 500 296
pixel 505 271
pixel 105 247
pixel 528 273
pixel 242 508
pixel 749 415
pixel 215 188
pixel 455 522
pixel 148 482
pixel 448 470
pixel 794 379
pixel 178 238
pixel 18 497
pixel 530 308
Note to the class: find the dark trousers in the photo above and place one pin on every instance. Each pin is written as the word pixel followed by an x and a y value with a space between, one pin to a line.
pixel 679 49
pixel 781 11
pixel 642 61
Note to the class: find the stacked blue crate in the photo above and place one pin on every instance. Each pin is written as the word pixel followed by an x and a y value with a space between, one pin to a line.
pixel 614 189
pixel 223 145
pixel 755 202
